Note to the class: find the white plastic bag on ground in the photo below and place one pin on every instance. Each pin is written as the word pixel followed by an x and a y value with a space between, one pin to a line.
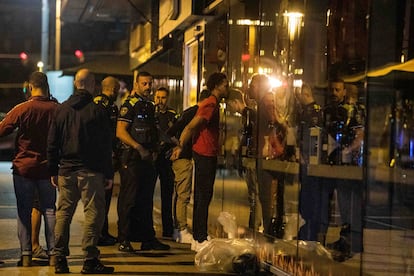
pixel 219 254
pixel 228 221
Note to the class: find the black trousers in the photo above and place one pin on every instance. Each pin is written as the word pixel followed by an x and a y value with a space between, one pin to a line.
pixel 204 177
pixel 166 176
pixel 135 201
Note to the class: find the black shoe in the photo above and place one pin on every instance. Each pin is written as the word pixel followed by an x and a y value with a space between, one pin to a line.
pixel 154 245
pixel 126 246
pixel 340 250
pixel 106 241
pixel 61 265
pixel 94 266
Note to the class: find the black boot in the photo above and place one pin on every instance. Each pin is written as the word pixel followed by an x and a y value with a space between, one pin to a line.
pixel 94 266
pixel 341 249
pixel 61 265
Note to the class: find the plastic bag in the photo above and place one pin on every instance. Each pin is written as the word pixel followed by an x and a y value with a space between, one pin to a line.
pixel 228 221
pixel 219 255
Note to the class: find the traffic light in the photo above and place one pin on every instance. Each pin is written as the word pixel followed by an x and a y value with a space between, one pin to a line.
pixel 23 56
pixel 79 55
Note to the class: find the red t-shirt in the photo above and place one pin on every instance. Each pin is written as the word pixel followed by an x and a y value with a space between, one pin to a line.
pixel 206 142
pixel 32 120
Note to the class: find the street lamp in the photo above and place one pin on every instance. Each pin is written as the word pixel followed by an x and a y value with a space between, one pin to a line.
pixel 40 66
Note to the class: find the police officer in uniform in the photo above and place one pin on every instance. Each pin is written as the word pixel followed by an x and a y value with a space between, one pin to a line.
pixel 106 99
pixel 166 117
pixel 137 130
pixel 344 124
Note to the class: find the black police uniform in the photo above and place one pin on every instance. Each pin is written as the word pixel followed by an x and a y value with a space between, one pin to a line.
pixel 164 170
pixel 112 110
pixel 138 176
pixel 309 196
pixel 341 122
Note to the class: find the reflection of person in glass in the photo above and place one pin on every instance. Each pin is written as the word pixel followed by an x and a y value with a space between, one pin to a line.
pixel 345 128
pixel 270 135
pixel 236 103
pixel 310 116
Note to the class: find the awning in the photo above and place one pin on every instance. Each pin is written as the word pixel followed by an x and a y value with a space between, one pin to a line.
pixel 383 71
pixel 116 65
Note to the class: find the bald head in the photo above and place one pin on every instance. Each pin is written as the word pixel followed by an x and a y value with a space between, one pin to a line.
pixel 110 87
pixel 84 79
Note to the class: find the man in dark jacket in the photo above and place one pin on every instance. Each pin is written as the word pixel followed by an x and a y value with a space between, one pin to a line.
pixel 80 162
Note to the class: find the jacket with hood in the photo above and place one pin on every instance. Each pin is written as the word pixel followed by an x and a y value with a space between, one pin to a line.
pixel 80 137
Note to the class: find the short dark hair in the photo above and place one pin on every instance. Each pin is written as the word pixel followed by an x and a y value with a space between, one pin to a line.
pixel 143 74
pixel 165 89
pixel 214 80
pixel 337 79
pixel 39 80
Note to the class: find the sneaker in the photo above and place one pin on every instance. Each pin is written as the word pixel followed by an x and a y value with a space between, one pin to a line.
pixel 154 245
pixel 126 246
pixel 61 265
pixel 94 266
pixel 40 253
pixel 182 236
pixel 197 246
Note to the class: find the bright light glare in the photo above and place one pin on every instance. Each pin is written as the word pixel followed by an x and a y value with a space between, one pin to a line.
pixel 297 83
pixel 294 23
pixel 274 82
pixel 40 64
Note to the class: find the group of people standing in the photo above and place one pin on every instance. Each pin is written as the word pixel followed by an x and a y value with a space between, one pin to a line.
pixel 265 135
pixel 76 147
pixel 89 138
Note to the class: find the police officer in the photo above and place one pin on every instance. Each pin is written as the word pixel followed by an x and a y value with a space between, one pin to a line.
pixel 110 88
pixel 344 123
pixel 166 117
pixel 137 130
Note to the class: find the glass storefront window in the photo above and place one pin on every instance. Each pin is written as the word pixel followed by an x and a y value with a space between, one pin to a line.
pixel 325 144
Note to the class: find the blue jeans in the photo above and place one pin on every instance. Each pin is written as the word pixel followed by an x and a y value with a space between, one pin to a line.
pixel 24 188
pixel 87 186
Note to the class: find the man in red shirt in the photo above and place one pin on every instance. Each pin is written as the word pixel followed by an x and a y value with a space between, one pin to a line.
pixel 204 130
pixel 32 120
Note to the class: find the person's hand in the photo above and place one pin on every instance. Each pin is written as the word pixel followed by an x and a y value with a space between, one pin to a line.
pixel 54 180
pixel 176 153
pixel 108 184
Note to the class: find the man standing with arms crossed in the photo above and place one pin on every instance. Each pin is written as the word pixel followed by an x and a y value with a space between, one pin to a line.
pixel 80 162
pixel 204 130
pixel 137 130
